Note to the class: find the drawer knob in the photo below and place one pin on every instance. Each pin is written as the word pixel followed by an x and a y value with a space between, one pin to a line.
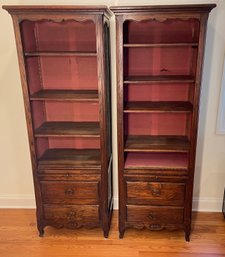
pixel 151 216
pixel 71 215
pixel 155 227
pixel 72 225
pixel 69 191
pixel 156 191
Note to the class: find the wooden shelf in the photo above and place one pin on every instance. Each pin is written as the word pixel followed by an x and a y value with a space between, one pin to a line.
pixel 140 143
pixel 59 53
pixel 75 158
pixel 138 107
pixel 162 45
pixel 165 161
pixel 66 95
pixel 72 129
pixel 159 79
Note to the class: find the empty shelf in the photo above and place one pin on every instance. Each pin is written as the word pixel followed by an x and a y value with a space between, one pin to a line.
pixel 158 107
pixel 75 158
pixel 159 79
pixel 142 143
pixel 73 129
pixel 66 95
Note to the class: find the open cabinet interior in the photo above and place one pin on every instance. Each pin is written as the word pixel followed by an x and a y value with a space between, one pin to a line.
pixel 159 68
pixel 61 61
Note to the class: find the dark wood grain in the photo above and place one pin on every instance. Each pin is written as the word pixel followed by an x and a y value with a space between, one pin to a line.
pixel 136 158
pixel 158 79
pixel 181 9
pixel 162 45
pixel 72 216
pixel 194 122
pixel 140 143
pixel 157 107
pixel 62 53
pixel 154 217
pixel 74 158
pixel 61 9
pixel 66 95
pixel 78 167
pixel 72 129
pixel 70 192
pixel 155 193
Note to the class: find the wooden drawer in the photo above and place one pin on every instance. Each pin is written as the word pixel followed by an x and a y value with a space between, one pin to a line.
pixel 68 172
pixel 156 193
pixel 155 218
pixel 69 192
pixel 69 177
pixel 73 216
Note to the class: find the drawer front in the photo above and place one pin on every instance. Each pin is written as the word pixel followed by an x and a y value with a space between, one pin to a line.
pixel 155 193
pixel 73 216
pixel 69 192
pixel 68 172
pixel 155 218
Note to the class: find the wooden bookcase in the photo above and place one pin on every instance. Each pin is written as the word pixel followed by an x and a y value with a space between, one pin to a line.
pixel 159 64
pixel 63 54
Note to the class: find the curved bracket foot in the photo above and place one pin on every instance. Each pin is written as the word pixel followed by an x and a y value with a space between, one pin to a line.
pixel 106 234
pixel 187 236
pixel 41 232
pixel 121 235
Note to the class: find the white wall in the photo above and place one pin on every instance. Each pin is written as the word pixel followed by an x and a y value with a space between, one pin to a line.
pixel 16 186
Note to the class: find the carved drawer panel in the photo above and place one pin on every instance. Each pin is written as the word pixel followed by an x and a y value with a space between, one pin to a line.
pixel 155 193
pixel 68 192
pixel 155 218
pixel 73 216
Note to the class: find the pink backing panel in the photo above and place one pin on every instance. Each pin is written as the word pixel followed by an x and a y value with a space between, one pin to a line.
pixel 69 72
pixel 155 124
pixel 58 36
pixel 71 111
pixel 162 160
pixel 42 145
pixel 66 36
pixel 157 92
pixel 168 31
pixel 38 113
pixel 159 61
pixel 75 143
pixel 33 76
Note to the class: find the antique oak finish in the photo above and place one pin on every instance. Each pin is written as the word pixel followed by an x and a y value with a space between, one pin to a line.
pixel 159 64
pixel 63 54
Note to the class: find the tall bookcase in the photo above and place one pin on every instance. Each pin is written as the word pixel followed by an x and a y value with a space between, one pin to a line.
pixel 64 61
pixel 159 65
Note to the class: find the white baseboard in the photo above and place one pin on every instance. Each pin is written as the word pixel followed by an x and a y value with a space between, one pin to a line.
pixel 17 201
pixel 199 204
pixel 28 201
pixel 115 203
pixel 207 204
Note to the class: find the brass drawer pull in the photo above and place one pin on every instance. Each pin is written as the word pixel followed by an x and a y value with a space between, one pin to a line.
pixel 155 227
pixel 156 191
pixel 151 216
pixel 72 225
pixel 71 215
pixel 69 191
